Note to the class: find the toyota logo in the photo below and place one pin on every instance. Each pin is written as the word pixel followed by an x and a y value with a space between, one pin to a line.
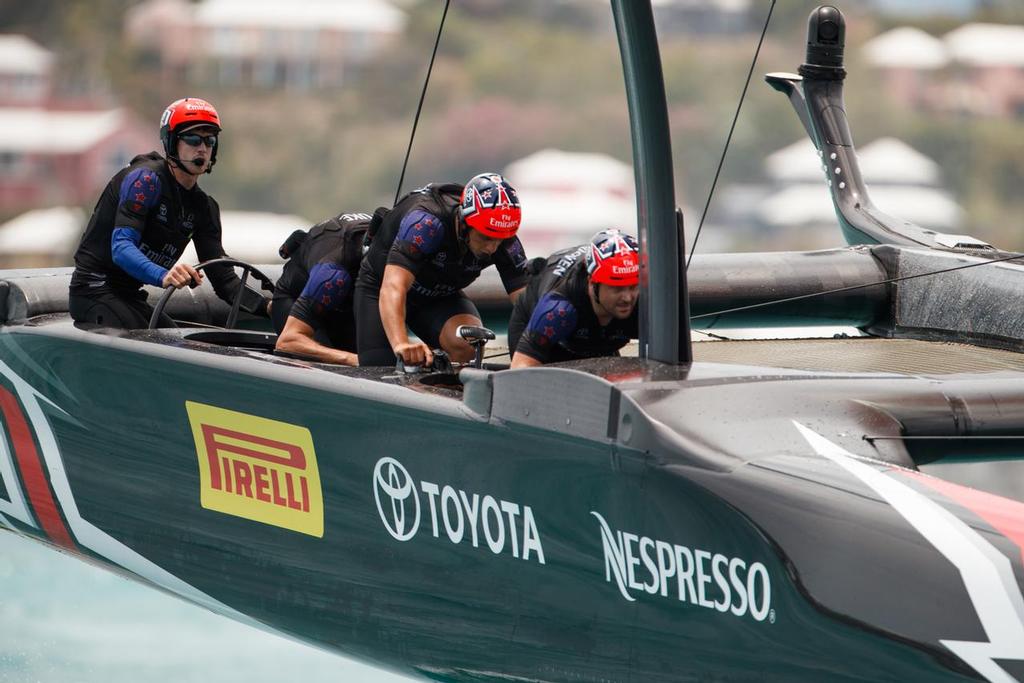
pixel 392 489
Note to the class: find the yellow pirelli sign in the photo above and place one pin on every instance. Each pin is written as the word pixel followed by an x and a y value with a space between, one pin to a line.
pixel 259 469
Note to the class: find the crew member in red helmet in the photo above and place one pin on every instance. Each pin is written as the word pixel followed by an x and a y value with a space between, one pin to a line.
pixel 435 242
pixel 143 221
pixel 582 304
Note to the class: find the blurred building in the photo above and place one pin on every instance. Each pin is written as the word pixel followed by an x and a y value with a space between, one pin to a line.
pixel 25 71
pixel 975 70
pixel 41 238
pixel 44 238
pixel 902 182
pixel 299 45
pixel 912 65
pixel 704 17
pixel 253 236
pixel 990 68
pixel 568 196
pixel 49 155
pixel 906 8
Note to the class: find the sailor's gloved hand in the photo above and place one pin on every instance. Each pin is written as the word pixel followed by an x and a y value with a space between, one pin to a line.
pixel 414 353
pixel 182 274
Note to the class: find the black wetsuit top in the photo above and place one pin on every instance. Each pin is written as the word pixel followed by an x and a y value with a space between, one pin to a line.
pixel 554 320
pixel 420 235
pixel 166 221
pixel 317 281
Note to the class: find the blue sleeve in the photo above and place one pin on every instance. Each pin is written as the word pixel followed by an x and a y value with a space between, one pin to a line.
pixel 552 322
pixel 329 284
pixel 329 288
pixel 421 232
pixel 140 192
pixel 124 250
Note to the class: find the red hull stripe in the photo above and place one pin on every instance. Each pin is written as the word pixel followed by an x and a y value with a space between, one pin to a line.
pixel 36 485
pixel 1006 516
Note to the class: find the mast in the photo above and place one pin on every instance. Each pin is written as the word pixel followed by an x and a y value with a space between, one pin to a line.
pixel 664 307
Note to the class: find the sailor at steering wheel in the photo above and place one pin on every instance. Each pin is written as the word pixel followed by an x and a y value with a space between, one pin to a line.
pixel 144 219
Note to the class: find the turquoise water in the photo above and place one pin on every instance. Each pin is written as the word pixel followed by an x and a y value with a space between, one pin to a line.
pixel 64 621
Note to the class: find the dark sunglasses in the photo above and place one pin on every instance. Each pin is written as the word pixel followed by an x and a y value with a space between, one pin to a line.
pixel 194 140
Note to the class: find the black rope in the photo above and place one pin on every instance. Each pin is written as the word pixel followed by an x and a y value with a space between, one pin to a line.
pixel 713 335
pixel 853 287
pixel 732 128
pixel 419 107
pixel 958 437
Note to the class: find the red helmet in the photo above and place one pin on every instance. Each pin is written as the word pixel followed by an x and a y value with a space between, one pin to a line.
pixel 182 115
pixel 614 259
pixel 491 206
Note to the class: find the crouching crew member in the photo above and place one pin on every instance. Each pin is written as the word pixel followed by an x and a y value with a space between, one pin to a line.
pixel 581 305
pixel 144 219
pixel 312 306
pixel 435 242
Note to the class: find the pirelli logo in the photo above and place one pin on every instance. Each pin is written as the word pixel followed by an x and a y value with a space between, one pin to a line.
pixel 259 469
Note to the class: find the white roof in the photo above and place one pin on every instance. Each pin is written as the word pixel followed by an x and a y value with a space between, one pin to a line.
pixel 556 219
pixel 253 236
pixel 906 47
pixel 795 162
pixel 43 231
pixel 811 205
pixel 20 54
pixel 987 44
pixel 55 132
pixel 372 16
pixel 556 209
pixel 888 160
pixel 884 161
pixel 568 196
pixel 554 169
pixel 926 8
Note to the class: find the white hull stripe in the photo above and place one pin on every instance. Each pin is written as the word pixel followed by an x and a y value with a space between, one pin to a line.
pixel 15 506
pixel 987 574
pixel 85 533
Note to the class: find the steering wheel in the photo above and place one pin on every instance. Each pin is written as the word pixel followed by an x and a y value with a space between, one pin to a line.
pixel 247 268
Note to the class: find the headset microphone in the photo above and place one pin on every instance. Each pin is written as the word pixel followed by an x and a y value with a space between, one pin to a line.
pixel 200 164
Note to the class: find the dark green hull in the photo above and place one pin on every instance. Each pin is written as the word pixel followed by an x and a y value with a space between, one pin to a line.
pixel 539 553
pixel 607 520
